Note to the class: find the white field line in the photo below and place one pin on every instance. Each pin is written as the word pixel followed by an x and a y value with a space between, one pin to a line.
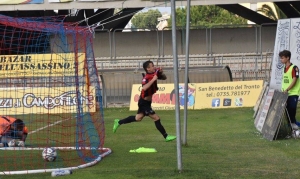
pixel 42 128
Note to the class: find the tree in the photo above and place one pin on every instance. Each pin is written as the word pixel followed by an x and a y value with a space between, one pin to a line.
pixel 116 10
pixel 146 20
pixel 269 12
pixel 207 16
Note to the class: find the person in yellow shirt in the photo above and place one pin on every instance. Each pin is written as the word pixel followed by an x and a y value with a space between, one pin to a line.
pixel 291 85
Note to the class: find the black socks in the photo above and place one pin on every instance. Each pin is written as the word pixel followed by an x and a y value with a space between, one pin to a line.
pixel 157 123
pixel 160 128
pixel 129 119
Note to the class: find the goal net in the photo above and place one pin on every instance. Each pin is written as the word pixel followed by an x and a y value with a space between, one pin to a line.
pixel 48 78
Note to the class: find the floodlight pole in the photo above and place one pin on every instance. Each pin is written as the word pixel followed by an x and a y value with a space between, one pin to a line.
pixel 175 66
pixel 186 73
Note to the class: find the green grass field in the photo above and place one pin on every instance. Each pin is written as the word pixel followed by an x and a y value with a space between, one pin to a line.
pixel 222 143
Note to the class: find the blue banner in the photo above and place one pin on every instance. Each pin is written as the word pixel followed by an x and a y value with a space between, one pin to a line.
pixel 60 0
pixel 21 1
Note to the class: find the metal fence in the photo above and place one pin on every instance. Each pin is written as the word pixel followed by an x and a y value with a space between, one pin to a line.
pixel 204 40
pixel 124 72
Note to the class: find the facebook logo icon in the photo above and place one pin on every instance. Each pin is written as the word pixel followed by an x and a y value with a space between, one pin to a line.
pixel 215 102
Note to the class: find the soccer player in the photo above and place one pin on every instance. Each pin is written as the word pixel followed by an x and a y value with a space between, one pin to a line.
pixel 291 85
pixel 10 130
pixel 149 87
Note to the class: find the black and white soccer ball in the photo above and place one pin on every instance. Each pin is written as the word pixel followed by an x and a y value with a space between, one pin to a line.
pixel 49 154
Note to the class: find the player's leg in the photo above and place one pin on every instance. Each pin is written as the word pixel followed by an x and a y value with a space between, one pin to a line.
pixel 138 117
pixel 291 109
pixel 160 127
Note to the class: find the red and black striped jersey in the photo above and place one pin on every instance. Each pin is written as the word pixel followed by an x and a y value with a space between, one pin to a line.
pixel 152 89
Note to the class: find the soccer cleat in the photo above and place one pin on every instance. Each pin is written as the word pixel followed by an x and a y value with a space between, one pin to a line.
pixel 170 138
pixel 21 144
pixel 116 125
pixel 294 126
pixel 11 143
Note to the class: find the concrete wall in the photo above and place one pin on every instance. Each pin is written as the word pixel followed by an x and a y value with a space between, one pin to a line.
pixel 202 41
pixel 233 40
pixel 268 34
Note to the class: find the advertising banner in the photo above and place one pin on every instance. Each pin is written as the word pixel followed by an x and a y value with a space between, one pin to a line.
pixel 261 117
pixel 15 101
pixel 282 42
pixel 37 65
pixel 203 95
pixel 60 0
pixel 295 41
pixel 21 1
pixel 93 0
pixel 227 94
pixel 275 116
pixel 287 38
pixel 164 98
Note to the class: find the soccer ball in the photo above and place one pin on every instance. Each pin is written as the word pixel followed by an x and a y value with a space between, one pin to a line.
pixel 49 154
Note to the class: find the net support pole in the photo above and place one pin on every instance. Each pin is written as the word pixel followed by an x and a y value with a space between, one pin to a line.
pixel 175 66
pixel 186 73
